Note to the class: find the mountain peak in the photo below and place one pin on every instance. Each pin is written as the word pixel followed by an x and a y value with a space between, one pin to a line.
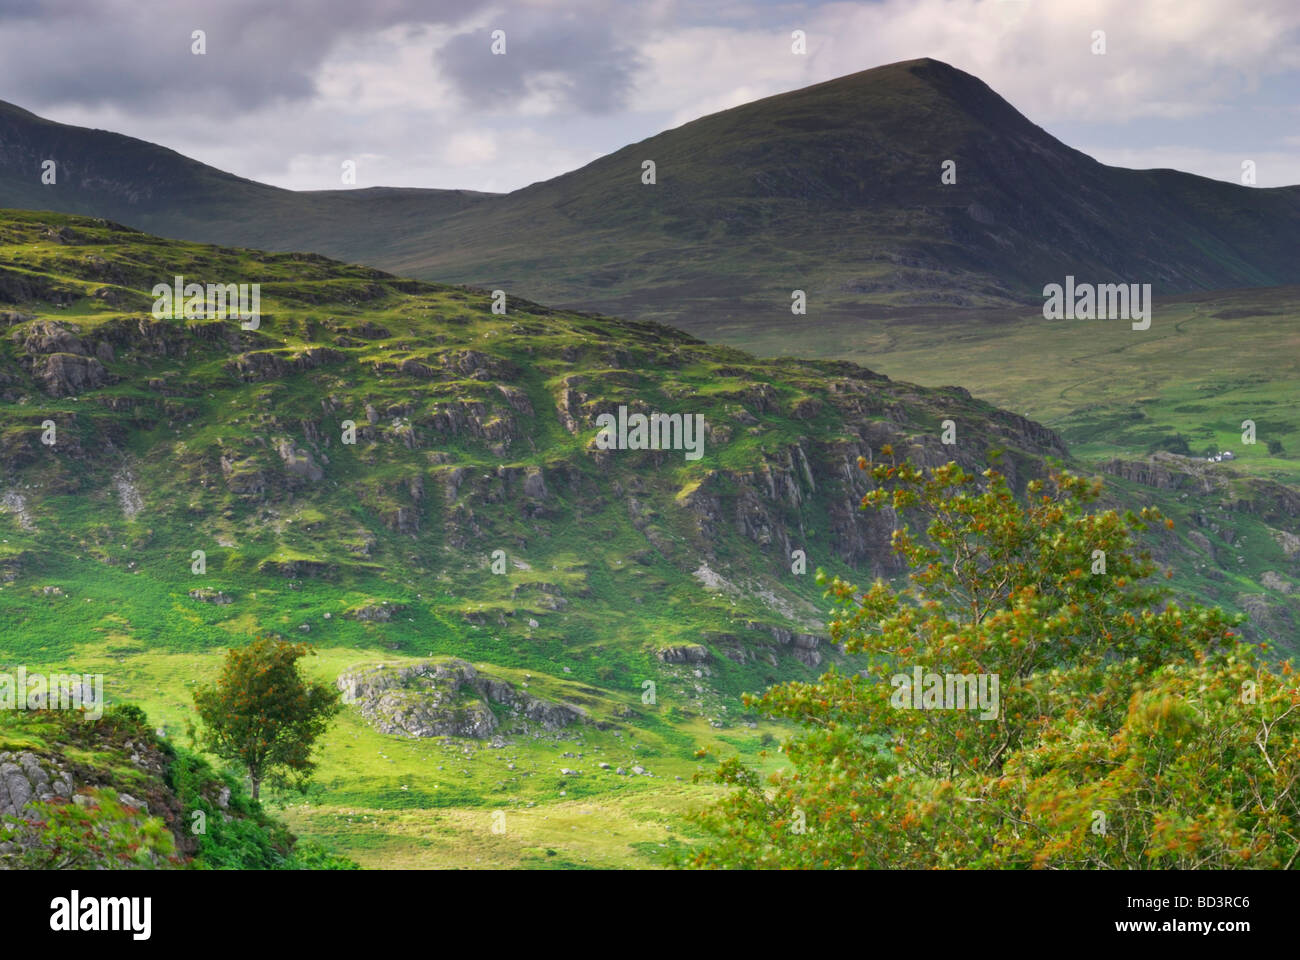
pixel 908 91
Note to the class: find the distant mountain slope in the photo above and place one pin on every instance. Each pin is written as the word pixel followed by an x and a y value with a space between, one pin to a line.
pixel 833 189
pixel 836 189
pixel 105 174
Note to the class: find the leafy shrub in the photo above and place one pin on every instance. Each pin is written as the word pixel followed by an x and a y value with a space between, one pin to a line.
pixel 248 840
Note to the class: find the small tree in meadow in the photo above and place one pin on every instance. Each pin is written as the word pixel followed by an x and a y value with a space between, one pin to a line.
pixel 263 714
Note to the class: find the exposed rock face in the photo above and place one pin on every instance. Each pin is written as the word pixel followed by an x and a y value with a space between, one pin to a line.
pixel 480 366
pixel 1268 617
pixel 78 763
pixel 517 398
pixel 693 653
pixel 68 374
pixel 26 779
pixel 1202 542
pixel 47 336
pixel 1272 502
pixel 298 462
pixel 449 699
pixel 271 365
pixel 804 647
pixel 243 477
pixel 535 485
pixel 1289 542
pixel 376 612
pixel 1163 471
pixel 1270 579
pixel 22 287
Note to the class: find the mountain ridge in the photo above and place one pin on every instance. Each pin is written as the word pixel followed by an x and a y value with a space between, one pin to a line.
pixel 834 189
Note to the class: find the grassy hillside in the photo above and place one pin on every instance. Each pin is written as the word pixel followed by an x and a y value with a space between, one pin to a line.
pixel 475 433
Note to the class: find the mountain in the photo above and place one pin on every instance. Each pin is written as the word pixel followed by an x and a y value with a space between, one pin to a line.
pixel 105 174
pixel 502 599
pixel 834 189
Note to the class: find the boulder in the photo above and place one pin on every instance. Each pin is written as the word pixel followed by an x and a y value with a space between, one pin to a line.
pixel 446 699
pixel 691 653
pixel 68 374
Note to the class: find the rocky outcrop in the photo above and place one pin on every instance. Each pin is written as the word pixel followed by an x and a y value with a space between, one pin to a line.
pixel 147 337
pixel 1202 542
pixel 471 418
pixel 517 398
pixel 690 653
pixel 48 336
pixel 535 485
pixel 1272 580
pixel 26 779
pixel 18 286
pixel 1163 471
pixel 119 759
pixel 1289 542
pixel 1270 501
pixel 298 462
pixel 742 648
pixel 447 699
pixel 262 365
pixel 375 612
pixel 478 366
pixel 1268 618
pixel 244 476
pixel 68 374
pixel 11 318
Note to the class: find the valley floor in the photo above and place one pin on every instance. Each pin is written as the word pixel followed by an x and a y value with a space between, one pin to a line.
pixel 446 803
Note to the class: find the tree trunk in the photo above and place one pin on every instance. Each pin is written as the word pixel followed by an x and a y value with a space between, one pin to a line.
pixel 257 785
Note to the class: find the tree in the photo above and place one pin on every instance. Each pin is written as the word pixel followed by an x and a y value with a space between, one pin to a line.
pixel 262 713
pixel 1129 731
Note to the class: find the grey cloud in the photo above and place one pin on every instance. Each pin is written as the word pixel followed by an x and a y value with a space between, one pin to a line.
pixel 574 58
pixel 136 53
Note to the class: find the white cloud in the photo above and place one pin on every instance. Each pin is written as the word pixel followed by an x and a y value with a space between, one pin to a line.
pixel 471 149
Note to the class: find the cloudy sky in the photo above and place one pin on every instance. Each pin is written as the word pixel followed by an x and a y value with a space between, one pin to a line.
pixel 411 91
